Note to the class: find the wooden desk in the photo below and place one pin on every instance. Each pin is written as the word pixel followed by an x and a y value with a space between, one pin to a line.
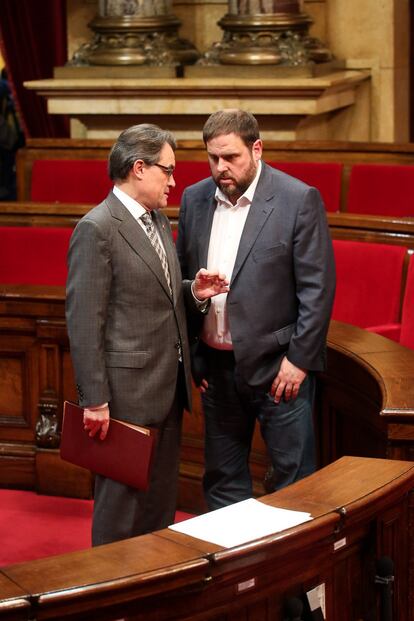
pixel 14 601
pixel 362 510
pixel 365 402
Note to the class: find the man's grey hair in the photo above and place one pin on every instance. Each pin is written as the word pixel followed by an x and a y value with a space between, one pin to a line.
pixel 139 142
pixel 232 121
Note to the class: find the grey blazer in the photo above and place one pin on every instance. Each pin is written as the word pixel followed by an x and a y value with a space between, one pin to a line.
pixel 283 282
pixel 124 326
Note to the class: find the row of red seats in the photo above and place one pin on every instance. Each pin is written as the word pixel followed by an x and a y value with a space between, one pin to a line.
pixel 376 189
pixel 369 276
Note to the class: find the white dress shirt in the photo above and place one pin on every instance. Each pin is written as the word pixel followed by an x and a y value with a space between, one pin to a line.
pixel 226 232
pixel 135 209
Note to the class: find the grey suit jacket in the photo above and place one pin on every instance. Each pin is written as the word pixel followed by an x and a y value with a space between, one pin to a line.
pixel 124 327
pixel 283 282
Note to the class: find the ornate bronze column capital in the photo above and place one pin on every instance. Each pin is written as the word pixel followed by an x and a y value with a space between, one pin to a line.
pixel 132 33
pixel 266 32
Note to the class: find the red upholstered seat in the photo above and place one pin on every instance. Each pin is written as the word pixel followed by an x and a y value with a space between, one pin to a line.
pixel 407 318
pixel 70 181
pixel 87 181
pixel 186 173
pixel 381 189
pixel 402 332
pixel 325 176
pixel 368 283
pixel 33 255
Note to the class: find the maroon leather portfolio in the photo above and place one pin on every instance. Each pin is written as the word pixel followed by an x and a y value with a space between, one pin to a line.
pixel 125 455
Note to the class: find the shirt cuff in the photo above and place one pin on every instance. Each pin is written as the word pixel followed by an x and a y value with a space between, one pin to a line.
pixel 202 305
pixel 97 407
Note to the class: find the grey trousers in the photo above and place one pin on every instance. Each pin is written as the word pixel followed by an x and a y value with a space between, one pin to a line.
pixel 121 512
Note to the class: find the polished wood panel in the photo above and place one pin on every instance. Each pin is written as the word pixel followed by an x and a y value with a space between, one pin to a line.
pixel 366 397
pixel 14 601
pixel 37 377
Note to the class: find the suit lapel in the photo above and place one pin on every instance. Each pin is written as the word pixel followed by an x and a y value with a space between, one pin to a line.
pixel 205 214
pixel 259 212
pixel 135 236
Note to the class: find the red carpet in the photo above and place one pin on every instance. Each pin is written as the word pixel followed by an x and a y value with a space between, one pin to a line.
pixel 34 526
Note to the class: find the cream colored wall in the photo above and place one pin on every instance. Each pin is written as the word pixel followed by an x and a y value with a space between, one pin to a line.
pixel 79 14
pixel 199 21
pixel 375 35
pixel 366 33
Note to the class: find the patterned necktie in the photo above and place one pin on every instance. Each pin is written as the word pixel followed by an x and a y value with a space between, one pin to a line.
pixel 154 239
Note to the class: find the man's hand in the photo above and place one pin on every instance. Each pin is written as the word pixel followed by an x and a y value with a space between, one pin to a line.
pixel 96 419
pixel 209 283
pixel 287 382
pixel 203 385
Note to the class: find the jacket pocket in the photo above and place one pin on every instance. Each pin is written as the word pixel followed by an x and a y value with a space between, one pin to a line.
pixel 283 335
pixel 266 254
pixel 126 359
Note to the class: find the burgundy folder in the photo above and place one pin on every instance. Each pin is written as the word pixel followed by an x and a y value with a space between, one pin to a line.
pixel 125 455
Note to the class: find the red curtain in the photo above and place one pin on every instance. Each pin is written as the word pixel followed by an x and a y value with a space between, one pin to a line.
pixel 33 41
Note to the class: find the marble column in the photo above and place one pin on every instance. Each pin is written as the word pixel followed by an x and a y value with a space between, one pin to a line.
pixel 266 32
pixel 135 32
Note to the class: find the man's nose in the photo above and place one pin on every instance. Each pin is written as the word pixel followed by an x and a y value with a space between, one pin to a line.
pixel 221 165
pixel 171 181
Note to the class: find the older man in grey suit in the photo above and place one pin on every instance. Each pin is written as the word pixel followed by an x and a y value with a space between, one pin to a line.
pixel 256 351
pixel 127 328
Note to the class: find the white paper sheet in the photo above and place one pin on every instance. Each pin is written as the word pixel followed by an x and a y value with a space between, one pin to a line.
pixel 239 523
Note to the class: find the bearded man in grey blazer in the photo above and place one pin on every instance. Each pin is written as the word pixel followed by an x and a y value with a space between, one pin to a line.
pixel 256 351
pixel 127 328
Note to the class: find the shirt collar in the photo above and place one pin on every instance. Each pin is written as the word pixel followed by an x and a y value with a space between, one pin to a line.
pixel 135 208
pixel 247 197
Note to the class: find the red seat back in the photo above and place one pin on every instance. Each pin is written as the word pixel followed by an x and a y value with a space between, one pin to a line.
pixel 70 181
pixel 368 282
pixel 325 176
pixel 407 319
pixel 381 189
pixel 186 173
pixel 33 255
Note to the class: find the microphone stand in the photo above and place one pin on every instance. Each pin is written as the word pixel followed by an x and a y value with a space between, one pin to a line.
pixel 385 578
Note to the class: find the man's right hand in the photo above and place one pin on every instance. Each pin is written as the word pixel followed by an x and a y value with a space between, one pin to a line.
pixel 96 419
pixel 208 283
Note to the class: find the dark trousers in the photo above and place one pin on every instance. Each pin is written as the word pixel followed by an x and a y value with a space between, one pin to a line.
pixel 231 409
pixel 121 511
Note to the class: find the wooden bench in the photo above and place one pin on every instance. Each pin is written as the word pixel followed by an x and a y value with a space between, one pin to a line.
pixel 354 226
pixel 353 177
pixel 371 277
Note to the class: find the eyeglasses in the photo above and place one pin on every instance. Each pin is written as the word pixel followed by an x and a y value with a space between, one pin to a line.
pixel 169 170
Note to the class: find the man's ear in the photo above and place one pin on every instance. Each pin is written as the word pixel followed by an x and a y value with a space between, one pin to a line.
pixel 138 168
pixel 257 150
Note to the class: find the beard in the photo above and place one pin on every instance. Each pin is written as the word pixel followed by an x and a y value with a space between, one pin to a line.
pixel 237 188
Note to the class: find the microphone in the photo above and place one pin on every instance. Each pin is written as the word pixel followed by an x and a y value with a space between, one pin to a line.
pixel 294 609
pixel 384 578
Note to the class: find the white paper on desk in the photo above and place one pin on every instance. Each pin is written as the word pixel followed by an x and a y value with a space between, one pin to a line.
pixel 239 523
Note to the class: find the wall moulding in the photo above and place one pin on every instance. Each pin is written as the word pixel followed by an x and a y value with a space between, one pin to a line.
pixel 103 107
